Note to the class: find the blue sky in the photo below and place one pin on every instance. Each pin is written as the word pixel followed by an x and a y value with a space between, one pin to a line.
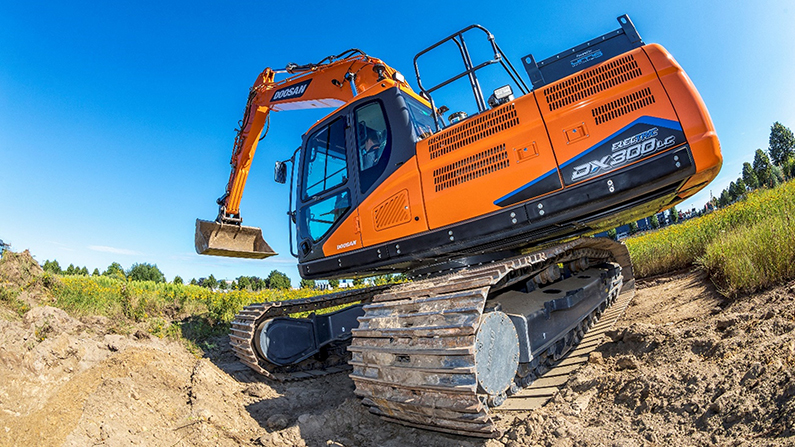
pixel 117 118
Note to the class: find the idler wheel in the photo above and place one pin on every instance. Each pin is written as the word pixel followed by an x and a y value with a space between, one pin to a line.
pixel 496 353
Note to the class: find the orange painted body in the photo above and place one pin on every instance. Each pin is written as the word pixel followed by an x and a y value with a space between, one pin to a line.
pixel 459 171
pixel 479 166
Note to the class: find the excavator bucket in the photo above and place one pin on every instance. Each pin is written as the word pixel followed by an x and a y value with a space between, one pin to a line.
pixel 215 239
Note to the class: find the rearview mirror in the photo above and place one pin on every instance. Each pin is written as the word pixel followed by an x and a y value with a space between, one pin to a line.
pixel 280 172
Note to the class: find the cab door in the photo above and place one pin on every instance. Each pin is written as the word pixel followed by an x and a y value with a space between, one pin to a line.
pixel 326 211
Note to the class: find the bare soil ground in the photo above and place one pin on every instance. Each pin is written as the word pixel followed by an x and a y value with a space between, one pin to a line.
pixel 683 366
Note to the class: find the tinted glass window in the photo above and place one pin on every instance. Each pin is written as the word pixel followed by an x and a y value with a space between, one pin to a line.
pixel 325 164
pixel 318 218
pixel 421 117
pixel 373 143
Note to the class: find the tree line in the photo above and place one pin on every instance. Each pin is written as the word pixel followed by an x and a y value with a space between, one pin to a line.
pixel 150 272
pixel 275 280
pixel 768 169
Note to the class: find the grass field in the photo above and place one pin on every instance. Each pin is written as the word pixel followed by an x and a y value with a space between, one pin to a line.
pixel 745 247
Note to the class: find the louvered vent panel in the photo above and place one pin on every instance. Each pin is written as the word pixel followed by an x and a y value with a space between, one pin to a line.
pixel 473 130
pixel 592 82
pixel 394 211
pixel 470 168
pixel 622 106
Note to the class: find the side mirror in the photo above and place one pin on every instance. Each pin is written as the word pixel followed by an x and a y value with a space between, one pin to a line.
pixel 280 172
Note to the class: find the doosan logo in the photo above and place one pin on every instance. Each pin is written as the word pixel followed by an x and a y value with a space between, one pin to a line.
pixel 291 92
pixel 346 245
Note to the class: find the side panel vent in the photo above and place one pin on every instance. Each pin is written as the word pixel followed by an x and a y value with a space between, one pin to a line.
pixel 470 168
pixel 592 82
pixel 392 212
pixel 473 130
pixel 622 106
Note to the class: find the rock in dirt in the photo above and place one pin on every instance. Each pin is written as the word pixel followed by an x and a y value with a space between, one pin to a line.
pixel 50 319
pixel 626 363
pixel 278 422
pixel 596 358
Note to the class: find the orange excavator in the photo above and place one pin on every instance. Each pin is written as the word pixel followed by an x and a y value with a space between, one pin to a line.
pixel 489 214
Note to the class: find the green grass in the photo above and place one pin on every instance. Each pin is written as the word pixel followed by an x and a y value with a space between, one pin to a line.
pixel 745 247
pixel 9 296
pixel 192 313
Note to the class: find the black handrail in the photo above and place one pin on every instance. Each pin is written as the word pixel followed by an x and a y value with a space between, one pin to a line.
pixel 469 69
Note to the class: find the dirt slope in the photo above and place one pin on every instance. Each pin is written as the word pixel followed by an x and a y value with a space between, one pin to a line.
pixel 683 367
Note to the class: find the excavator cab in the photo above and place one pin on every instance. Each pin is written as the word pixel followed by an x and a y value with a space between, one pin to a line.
pixel 342 160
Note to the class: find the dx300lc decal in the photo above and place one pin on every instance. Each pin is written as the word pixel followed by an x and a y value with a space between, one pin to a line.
pixel 621 155
pixel 640 139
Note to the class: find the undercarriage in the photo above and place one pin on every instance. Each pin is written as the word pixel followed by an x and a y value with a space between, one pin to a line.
pixel 440 353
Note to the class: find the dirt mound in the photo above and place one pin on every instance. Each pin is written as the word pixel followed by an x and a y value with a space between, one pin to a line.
pixel 684 366
pixel 19 269
pixel 23 281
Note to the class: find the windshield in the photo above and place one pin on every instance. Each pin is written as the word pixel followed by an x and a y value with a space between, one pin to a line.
pixel 421 117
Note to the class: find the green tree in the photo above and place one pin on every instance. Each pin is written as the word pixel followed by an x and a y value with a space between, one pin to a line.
pixel 244 283
pixel 777 176
pixel 612 234
pixel 145 272
pixel 788 168
pixel 278 280
pixel 193 282
pixel 178 280
pixel 115 271
pixel 737 189
pixel 762 168
pixel 210 282
pixel 71 270
pixel 654 222
pixel 633 227
pixel 258 283
pixel 95 272
pixel 307 283
pixel 222 285
pixel 749 176
pixel 83 271
pixel 782 144
pixel 334 283
pixel 673 215
pixel 724 199
pixel 52 267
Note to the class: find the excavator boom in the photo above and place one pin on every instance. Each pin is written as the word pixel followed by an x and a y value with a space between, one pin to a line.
pixel 332 82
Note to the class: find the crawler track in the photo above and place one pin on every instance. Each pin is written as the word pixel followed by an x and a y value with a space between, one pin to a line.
pixel 336 360
pixel 414 351
pixel 413 354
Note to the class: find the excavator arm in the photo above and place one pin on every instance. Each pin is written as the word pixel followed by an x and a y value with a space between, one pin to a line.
pixel 332 82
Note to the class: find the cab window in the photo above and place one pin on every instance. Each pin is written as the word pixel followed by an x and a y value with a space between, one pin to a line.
pixel 373 143
pixel 421 117
pixel 318 218
pixel 325 164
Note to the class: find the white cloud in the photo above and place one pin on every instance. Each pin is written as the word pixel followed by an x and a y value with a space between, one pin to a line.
pixel 114 250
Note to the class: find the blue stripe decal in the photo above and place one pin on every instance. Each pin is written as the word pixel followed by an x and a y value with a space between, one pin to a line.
pixel 650 120
pixel 554 171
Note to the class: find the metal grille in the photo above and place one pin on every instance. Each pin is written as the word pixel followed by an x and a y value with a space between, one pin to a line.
pixel 394 211
pixel 470 168
pixel 473 130
pixel 592 82
pixel 622 106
